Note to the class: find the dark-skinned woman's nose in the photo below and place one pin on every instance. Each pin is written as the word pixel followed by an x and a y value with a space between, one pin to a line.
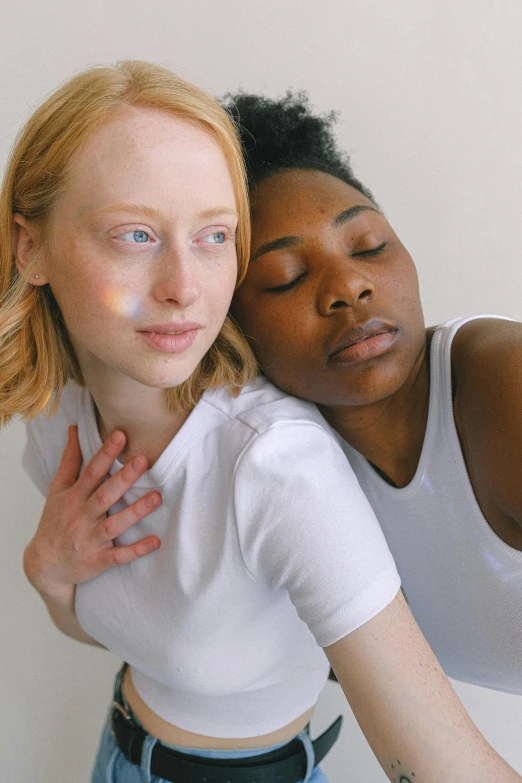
pixel 343 287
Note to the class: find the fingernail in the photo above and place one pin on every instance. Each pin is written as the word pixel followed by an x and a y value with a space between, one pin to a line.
pixel 137 463
pixel 151 501
pixel 153 545
pixel 116 438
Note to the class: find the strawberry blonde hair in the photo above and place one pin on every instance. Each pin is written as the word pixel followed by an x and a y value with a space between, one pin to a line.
pixel 36 354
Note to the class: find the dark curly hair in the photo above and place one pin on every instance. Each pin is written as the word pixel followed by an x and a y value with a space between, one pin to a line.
pixel 286 134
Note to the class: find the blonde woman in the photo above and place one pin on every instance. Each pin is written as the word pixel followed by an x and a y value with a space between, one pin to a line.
pixel 201 524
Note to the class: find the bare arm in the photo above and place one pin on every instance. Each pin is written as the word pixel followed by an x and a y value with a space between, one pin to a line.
pixel 61 611
pixel 487 367
pixel 406 707
pixel 74 541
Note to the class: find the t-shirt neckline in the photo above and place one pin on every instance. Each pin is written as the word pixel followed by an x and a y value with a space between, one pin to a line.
pixel 172 455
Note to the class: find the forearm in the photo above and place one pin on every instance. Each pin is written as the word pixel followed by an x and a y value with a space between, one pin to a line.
pixel 64 618
pixel 406 707
pixel 425 740
pixel 59 603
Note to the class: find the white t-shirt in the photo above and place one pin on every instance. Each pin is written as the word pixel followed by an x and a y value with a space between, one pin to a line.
pixel 269 552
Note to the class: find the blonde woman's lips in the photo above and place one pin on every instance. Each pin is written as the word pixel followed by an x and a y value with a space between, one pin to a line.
pixel 171 337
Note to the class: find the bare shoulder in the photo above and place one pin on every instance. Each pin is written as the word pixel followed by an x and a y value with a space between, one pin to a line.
pixel 481 343
pixel 486 359
pixel 487 372
pixel 486 354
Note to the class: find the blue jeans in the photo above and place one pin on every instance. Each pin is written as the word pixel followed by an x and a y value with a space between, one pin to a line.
pixel 111 766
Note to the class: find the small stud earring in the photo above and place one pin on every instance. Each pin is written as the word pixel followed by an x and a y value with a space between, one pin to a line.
pixel 37 276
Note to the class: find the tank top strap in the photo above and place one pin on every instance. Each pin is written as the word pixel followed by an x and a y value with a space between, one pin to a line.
pixel 441 382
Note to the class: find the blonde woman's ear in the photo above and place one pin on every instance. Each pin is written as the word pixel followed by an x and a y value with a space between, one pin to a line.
pixel 26 244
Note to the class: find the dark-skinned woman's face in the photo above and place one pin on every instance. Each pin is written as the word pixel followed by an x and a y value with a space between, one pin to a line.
pixel 330 303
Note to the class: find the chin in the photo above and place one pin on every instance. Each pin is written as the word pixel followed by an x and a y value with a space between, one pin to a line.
pixel 359 395
pixel 344 391
pixel 163 379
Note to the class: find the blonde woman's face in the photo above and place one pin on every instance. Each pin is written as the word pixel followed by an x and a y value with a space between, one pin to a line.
pixel 142 257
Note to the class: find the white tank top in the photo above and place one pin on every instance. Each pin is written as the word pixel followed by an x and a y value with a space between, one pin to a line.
pixel 462 582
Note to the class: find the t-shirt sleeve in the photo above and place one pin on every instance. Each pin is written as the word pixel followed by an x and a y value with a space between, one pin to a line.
pixel 304 525
pixel 32 458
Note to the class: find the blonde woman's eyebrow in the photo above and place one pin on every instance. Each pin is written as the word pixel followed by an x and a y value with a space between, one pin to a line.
pixel 147 211
pixel 217 211
pixel 142 209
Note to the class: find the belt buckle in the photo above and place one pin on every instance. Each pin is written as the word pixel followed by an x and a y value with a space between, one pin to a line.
pixel 120 708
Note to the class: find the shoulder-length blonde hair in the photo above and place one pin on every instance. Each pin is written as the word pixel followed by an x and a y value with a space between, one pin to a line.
pixel 36 354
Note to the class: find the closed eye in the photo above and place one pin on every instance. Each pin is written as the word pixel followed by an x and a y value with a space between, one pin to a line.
pixel 287 286
pixel 373 252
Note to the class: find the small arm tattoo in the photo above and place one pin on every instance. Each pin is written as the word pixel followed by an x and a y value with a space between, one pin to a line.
pixel 400 775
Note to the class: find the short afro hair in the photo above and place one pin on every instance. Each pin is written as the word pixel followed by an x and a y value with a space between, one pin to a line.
pixel 287 134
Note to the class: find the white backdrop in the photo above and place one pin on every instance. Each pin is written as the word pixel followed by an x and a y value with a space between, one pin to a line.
pixel 430 100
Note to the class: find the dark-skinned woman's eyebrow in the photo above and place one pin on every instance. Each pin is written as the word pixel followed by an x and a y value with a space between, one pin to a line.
pixel 293 241
pixel 350 214
pixel 276 244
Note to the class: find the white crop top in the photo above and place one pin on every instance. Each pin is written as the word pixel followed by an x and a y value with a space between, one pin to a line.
pixel 269 552
pixel 463 583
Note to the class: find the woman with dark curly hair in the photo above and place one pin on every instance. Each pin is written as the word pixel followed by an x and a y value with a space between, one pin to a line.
pixel 430 419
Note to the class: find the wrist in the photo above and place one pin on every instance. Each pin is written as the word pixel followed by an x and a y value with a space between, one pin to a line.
pixel 50 592
pixel 30 564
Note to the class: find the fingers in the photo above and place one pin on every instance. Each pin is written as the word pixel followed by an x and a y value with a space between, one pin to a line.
pixel 114 488
pixel 70 463
pixel 120 555
pixel 97 469
pixel 113 526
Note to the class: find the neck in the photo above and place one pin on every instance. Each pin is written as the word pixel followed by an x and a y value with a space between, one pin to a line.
pixel 389 433
pixel 140 411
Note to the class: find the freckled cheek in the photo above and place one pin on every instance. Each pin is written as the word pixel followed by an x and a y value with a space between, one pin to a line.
pixel 282 340
pixel 216 302
pixel 74 279
pixel 397 286
pixel 216 285
pixel 93 301
pixel 409 278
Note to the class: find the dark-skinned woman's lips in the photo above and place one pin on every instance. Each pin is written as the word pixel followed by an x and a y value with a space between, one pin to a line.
pixel 363 343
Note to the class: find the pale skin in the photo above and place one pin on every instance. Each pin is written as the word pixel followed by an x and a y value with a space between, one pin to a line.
pixel 402 700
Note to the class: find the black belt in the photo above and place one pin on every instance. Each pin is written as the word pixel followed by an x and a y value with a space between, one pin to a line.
pixel 284 765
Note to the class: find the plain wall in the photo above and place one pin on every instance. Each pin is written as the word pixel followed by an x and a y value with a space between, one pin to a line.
pixel 429 100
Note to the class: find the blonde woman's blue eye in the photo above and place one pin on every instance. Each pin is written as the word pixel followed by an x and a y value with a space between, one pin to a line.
pixel 135 236
pixel 216 238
